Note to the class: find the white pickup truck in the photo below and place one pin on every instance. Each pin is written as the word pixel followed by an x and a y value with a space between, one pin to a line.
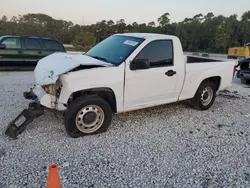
pixel 122 73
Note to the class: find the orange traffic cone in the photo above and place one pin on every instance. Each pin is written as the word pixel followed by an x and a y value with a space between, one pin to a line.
pixel 53 180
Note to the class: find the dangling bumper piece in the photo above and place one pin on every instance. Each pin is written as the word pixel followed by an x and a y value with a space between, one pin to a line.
pixel 34 111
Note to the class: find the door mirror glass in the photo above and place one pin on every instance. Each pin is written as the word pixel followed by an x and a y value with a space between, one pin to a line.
pixel 140 64
pixel 2 46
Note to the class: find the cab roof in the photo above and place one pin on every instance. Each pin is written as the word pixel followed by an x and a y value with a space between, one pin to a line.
pixel 147 35
pixel 25 36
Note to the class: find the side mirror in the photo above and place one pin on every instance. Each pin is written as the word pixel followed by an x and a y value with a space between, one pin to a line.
pixel 139 64
pixel 2 46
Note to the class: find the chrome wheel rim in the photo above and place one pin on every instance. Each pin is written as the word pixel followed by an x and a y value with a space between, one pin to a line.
pixel 206 96
pixel 89 119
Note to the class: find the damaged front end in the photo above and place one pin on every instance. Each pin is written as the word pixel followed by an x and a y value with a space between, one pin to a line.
pixel 49 92
pixel 41 96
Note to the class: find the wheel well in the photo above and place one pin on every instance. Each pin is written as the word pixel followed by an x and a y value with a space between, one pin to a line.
pixel 106 93
pixel 215 80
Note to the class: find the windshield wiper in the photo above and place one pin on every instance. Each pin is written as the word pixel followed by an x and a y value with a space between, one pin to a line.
pixel 100 58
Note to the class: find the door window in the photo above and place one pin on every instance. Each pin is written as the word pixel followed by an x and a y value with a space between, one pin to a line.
pixel 53 45
pixel 159 53
pixel 12 43
pixel 32 44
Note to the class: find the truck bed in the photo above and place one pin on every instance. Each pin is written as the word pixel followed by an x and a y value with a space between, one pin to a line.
pixel 196 59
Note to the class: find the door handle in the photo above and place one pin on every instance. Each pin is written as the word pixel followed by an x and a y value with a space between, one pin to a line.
pixel 170 73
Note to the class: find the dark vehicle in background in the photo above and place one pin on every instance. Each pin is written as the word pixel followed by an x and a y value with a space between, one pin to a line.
pixel 205 55
pixel 244 72
pixel 23 52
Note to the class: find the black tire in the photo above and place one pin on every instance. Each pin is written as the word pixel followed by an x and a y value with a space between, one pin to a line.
pixel 76 106
pixel 197 99
pixel 243 81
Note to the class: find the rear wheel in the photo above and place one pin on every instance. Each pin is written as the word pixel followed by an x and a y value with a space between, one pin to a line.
pixel 87 115
pixel 205 96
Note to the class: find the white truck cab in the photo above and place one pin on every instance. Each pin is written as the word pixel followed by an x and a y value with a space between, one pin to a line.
pixel 122 73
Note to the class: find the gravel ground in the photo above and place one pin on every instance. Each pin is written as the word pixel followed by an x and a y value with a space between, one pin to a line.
pixel 167 146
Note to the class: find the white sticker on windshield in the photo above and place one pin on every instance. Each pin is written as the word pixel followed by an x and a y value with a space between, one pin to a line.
pixel 130 42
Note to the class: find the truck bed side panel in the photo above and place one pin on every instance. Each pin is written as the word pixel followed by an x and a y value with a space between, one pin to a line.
pixel 197 72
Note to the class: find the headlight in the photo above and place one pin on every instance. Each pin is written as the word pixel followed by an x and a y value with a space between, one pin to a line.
pixel 53 89
pixel 50 89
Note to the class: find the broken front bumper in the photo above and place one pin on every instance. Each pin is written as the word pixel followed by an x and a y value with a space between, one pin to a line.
pixel 39 95
pixel 36 109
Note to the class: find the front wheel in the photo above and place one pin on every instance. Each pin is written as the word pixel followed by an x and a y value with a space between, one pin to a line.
pixel 205 96
pixel 87 115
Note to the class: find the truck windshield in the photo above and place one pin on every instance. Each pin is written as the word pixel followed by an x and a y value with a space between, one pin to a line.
pixel 115 49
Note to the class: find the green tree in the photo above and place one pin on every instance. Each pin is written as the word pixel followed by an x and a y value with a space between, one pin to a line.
pixel 208 33
pixel 164 20
pixel 84 41
pixel 226 33
pixel 4 18
pixel 151 24
pixel 110 22
pixel 245 20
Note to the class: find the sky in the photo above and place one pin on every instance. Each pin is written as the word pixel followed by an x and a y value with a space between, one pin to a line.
pixel 142 11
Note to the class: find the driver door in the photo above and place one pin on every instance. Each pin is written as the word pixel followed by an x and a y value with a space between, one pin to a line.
pixel 153 86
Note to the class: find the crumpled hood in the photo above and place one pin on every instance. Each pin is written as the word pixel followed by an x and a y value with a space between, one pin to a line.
pixel 49 68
